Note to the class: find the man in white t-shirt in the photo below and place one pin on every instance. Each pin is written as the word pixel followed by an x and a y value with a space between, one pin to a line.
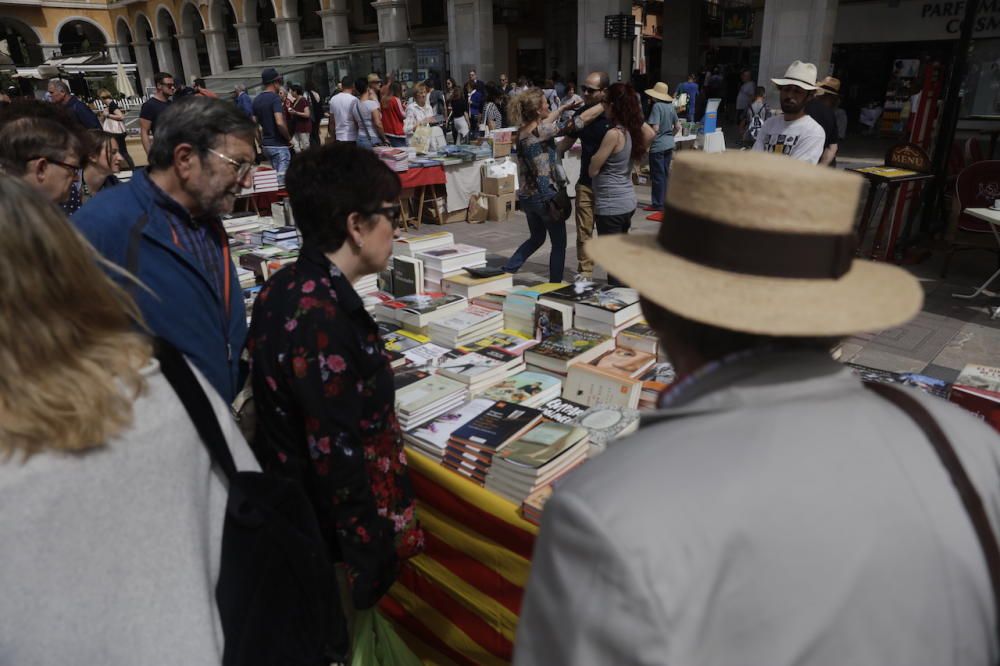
pixel 343 116
pixel 794 133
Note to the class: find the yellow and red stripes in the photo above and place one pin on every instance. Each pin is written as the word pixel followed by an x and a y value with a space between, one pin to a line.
pixel 458 602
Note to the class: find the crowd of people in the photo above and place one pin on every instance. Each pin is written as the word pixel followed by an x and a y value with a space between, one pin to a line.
pixel 772 511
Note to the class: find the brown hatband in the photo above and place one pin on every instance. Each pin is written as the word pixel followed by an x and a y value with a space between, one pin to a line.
pixel 754 251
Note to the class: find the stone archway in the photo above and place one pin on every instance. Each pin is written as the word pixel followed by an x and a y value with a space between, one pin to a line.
pixel 310 22
pixel 194 48
pixel 222 26
pixel 21 42
pixel 79 35
pixel 167 48
pixel 262 11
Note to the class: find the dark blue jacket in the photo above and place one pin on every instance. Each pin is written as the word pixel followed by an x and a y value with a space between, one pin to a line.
pixel 82 113
pixel 129 226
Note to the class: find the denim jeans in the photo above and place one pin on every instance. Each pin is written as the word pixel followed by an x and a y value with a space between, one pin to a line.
pixel 279 157
pixel 540 223
pixel 659 172
pixel 363 142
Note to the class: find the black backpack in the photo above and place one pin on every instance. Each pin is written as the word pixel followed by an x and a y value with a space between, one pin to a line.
pixel 277 590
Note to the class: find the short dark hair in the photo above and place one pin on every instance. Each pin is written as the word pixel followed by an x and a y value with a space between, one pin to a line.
pixel 199 82
pixel 361 84
pixel 713 343
pixel 297 89
pixel 26 139
pixel 327 183
pixel 347 82
pixel 199 121
pixel 159 77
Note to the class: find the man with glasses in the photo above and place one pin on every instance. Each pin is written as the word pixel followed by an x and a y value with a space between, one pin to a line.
pixel 43 153
pixel 59 93
pixel 589 126
pixel 164 227
pixel 154 106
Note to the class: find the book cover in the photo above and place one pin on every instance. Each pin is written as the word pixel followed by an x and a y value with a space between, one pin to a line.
pixel 407 276
pixel 508 340
pixel 562 410
pixel 576 292
pixel 610 299
pixel 570 345
pixel 425 353
pixel 984 404
pixel 640 337
pixel 607 423
pixel 504 358
pixel 467 366
pixel 658 377
pixel 437 431
pixel 522 387
pixel 497 425
pixel 453 251
pixel 402 341
pixel 549 322
pixel 593 386
pixel 403 378
pixel 625 362
pixel 423 303
pixel 470 317
pixel 542 444
pixel 425 392
pixel 982 378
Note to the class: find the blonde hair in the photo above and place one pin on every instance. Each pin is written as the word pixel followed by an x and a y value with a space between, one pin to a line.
pixel 70 358
pixel 525 107
pixel 103 92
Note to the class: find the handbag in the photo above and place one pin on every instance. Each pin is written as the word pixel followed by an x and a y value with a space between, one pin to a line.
pixel 277 590
pixel 560 206
pixel 971 500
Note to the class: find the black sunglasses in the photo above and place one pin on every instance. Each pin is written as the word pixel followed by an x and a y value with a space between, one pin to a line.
pixel 588 89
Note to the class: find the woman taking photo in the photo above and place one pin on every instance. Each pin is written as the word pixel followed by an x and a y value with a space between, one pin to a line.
pixel 113 122
pixel 611 166
pixel 322 384
pixel 111 532
pixel 392 116
pixel 536 166
pixel 98 172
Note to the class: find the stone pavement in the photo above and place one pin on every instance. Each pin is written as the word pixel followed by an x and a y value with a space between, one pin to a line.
pixel 944 337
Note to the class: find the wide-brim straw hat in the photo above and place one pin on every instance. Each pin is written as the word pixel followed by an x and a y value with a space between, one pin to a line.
pixel 660 91
pixel 801 74
pixel 762 244
pixel 828 86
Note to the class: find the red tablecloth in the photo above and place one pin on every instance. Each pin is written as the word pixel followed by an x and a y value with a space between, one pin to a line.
pixel 263 200
pixel 418 176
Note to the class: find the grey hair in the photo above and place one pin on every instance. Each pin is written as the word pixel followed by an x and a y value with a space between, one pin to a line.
pixel 201 122
pixel 240 88
pixel 59 85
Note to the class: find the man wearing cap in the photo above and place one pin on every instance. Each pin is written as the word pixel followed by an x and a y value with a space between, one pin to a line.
pixel 744 97
pixel 794 133
pixel 664 121
pixel 773 510
pixel 820 109
pixel 269 111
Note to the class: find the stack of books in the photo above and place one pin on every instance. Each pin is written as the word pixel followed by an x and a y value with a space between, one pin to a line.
pixel 558 353
pixel 431 439
pixel 608 310
pixel 246 277
pixel 398 342
pixel 640 337
pixel 528 388
pixel 242 222
pixel 449 261
pixel 479 370
pixel 366 284
pixel 471 447
pixel 427 398
pixel 519 306
pixel 506 339
pixel 286 238
pixel 536 459
pixel 654 382
pixel 465 326
pixel 409 246
pixel 493 300
pixel 397 159
pixel 977 389
pixel 416 312
pixel 407 276
pixel 472 287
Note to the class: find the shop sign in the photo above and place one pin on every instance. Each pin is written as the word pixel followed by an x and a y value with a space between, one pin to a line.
pixel 912 20
pixel 908 156
pixel 954 12
pixel 737 22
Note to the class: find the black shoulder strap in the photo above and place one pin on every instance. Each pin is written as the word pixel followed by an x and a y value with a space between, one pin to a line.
pixel 196 403
pixel 971 500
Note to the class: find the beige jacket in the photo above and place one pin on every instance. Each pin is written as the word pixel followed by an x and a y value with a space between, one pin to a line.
pixel 791 517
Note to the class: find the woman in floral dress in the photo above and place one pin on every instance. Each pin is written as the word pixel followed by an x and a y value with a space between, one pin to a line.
pixel 322 383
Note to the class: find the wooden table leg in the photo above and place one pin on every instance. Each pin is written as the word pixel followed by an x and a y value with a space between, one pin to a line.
pixel 420 212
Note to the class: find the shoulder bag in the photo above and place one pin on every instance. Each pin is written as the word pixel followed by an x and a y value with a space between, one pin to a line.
pixel 560 206
pixel 277 590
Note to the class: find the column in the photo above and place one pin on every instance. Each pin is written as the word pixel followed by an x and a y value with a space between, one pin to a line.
pixel 680 52
pixel 50 50
pixel 795 30
pixel 165 56
pixel 392 28
pixel 595 52
pixel 289 39
pixel 249 42
pixel 144 64
pixel 189 56
pixel 470 39
pixel 216 41
pixel 335 27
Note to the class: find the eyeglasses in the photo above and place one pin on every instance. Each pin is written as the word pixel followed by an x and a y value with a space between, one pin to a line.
pixel 76 169
pixel 243 169
pixel 169 85
pixel 392 213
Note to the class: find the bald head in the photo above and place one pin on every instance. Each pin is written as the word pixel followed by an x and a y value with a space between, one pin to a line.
pixel 594 87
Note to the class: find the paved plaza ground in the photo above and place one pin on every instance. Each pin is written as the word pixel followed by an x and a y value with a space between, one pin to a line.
pixel 944 337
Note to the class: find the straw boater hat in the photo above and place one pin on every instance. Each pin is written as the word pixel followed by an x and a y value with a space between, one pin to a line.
pixel 741 248
pixel 829 86
pixel 659 91
pixel 801 74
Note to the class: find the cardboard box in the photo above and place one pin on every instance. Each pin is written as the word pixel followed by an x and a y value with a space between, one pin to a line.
pixel 500 148
pixel 498 186
pixel 499 206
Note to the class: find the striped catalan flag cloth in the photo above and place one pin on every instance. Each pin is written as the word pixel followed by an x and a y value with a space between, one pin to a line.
pixel 457 604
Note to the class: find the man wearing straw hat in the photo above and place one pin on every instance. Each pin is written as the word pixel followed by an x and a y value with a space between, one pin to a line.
pixel 774 510
pixel 794 133
pixel 821 109
pixel 664 121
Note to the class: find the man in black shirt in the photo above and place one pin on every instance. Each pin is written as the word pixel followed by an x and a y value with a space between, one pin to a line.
pixel 154 106
pixel 589 125
pixel 820 108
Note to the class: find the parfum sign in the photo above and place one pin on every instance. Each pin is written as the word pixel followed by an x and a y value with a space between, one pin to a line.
pixel 987 19
pixel 879 21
